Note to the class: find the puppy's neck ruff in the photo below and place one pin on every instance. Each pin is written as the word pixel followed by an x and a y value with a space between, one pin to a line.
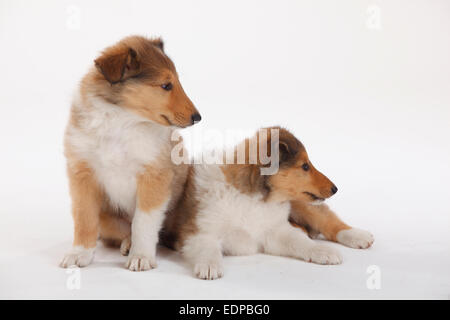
pixel 116 143
pixel 107 111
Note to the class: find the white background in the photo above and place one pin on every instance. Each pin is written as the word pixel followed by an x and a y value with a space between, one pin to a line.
pixel 372 106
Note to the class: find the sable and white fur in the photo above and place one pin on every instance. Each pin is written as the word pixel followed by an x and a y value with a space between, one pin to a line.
pixel 232 210
pixel 118 145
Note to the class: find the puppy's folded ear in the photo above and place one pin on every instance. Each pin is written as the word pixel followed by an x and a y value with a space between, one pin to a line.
pixel 288 146
pixel 118 64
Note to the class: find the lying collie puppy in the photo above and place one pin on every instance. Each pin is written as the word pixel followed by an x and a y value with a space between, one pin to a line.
pixel 118 144
pixel 233 209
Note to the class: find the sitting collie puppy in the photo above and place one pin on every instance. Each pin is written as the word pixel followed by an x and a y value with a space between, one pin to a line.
pixel 233 209
pixel 118 144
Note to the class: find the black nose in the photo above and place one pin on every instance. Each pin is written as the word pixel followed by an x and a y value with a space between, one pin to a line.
pixel 196 117
pixel 334 189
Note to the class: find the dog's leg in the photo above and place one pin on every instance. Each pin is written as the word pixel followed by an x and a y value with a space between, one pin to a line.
pixel 322 219
pixel 153 195
pixel 205 254
pixel 86 203
pixel 115 231
pixel 293 242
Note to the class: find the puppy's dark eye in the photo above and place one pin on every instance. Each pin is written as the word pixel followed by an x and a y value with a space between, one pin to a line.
pixel 305 166
pixel 167 86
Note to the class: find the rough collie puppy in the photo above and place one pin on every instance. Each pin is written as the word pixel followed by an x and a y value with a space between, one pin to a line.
pixel 118 144
pixel 233 209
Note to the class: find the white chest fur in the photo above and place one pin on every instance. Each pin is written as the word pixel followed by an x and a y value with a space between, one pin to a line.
pixel 226 210
pixel 116 144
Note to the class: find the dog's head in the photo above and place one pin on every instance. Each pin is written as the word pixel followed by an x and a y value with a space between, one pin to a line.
pixel 296 177
pixel 136 74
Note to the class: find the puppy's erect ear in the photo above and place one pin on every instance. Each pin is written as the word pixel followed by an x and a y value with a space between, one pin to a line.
pixel 118 65
pixel 159 43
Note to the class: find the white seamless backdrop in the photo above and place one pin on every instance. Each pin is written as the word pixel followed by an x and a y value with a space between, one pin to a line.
pixel 365 84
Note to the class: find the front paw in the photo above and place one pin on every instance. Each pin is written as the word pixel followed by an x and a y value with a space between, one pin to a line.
pixel 355 238
pixel 140 263
pixel 78 256
pixel 208 271
pixel 323 254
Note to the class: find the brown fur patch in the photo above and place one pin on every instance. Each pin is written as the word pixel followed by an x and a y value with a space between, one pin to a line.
pixel 180 221
pixel 87 199
pixel 153 187
pixel 113 228
pixel 118 65
pixel 318 218
pixel 294 224
pixel 246 178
